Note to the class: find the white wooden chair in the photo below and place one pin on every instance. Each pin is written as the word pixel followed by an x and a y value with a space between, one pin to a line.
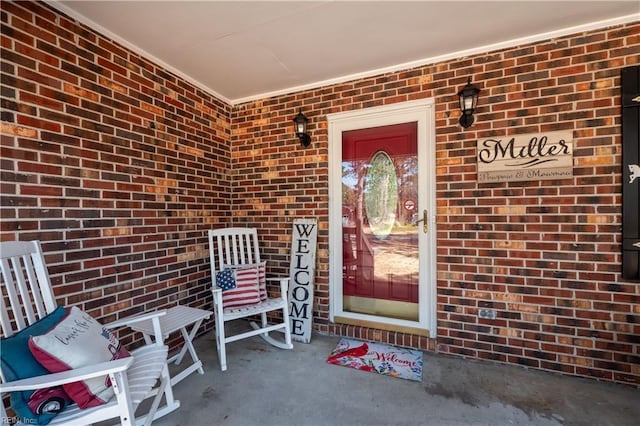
pixel 26 296
pixel 235 247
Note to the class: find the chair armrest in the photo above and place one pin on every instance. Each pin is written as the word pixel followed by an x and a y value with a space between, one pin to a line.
pixel 284 284
pixel 155 321
pixel 69 376
pixel 278 279
pixel 132 320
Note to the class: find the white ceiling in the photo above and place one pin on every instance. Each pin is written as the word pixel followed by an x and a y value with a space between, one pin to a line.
pixel 243 50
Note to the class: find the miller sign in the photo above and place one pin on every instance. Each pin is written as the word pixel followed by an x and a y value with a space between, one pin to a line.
pixel 534 156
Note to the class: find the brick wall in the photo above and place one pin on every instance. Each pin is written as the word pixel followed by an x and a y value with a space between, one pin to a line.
pixel 115 164
pixel 119 167
pixel 544 254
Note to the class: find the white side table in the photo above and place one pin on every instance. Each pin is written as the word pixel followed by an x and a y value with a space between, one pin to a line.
pixel 178 318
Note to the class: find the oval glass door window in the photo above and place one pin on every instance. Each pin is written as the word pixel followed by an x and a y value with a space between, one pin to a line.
pixel 381 194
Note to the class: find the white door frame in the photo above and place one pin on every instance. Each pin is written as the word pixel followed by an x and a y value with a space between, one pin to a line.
pixel 422 112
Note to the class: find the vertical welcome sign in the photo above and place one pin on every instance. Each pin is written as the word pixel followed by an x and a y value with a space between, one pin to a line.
pixel 301 273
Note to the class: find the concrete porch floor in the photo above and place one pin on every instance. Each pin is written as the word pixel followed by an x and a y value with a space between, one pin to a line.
pixel 269 386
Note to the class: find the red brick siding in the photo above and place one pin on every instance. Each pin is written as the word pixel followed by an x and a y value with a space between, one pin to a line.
pixel 545 254
pixel 115 164
pixel 123 208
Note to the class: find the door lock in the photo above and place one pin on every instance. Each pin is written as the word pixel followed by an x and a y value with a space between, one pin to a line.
pixel 424 220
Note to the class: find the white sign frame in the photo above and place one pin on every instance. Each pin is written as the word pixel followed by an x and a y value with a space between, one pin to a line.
pixel 301 278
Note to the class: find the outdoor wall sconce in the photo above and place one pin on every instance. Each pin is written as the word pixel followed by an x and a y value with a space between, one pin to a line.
pixel 300 123
pixel 468 99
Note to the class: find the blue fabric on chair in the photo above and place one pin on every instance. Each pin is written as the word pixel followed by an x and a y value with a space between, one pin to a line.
pixel 18 363
pixel 226 279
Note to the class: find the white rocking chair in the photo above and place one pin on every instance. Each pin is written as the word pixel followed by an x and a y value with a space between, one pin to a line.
pixel 233 247
pixel 26 296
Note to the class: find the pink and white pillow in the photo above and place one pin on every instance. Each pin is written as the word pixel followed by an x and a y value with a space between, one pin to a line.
pixel 77 341
pixel 248 290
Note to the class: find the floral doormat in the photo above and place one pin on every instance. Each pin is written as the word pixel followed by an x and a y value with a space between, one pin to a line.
pixel 378 358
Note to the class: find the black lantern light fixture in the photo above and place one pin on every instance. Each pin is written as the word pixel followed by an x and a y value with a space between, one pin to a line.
pixel 300 123
pixel 468 99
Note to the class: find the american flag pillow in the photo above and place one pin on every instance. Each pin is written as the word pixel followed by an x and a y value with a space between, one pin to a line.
pixel 262 276
pixel 246 291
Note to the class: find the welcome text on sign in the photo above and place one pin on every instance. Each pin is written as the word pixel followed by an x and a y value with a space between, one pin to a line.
pixel 302 271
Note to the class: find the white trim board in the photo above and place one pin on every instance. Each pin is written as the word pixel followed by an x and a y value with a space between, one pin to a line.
pixel 159 62
pixel 453 55
pixel 345 78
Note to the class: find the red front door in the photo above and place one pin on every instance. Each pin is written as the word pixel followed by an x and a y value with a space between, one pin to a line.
pixel 379 213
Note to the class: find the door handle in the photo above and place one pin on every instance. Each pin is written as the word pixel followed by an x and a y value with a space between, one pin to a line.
pixel 424 220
